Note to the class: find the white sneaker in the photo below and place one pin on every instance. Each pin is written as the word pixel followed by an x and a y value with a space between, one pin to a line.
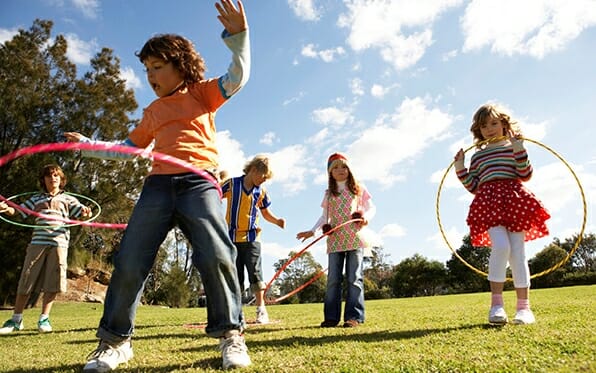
pixel 44 326
pixel 524 317
pixel 234 352
pixel 107 357
pixel 10 326
pixel 497 315
pixel 262 316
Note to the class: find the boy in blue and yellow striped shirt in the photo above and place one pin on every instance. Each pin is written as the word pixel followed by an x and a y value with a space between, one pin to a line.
pixel 246 198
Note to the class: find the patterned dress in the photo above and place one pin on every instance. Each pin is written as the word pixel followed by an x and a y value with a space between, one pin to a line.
pixel 495 177
pixel 339 210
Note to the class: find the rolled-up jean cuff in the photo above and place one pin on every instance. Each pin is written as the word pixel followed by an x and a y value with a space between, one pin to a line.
pixel 261 285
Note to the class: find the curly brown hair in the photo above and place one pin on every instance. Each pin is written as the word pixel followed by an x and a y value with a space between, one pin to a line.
pixel 351 182
pixel 487 111
pixel 179 51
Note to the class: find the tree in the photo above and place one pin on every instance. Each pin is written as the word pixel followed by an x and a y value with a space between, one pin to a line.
pixel 41 98
pixel 377 275
pixel 417 276
pixel 299 272
pixel 584 258
pixel 462 278
pixel 545 259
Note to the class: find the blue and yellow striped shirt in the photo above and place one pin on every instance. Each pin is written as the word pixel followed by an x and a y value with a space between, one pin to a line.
pixel 242 213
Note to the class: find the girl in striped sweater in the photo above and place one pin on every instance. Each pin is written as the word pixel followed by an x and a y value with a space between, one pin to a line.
pixel 503 214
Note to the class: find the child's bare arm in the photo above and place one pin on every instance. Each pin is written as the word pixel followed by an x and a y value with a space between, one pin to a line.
pixel 268 215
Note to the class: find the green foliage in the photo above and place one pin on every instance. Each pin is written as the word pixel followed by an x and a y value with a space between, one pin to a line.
pixel 41 98
pixel 462 279
pixel 299 272
pixel 544 260
pixel 584 258
pixel 377 275
pixel 417 276
pixel 175 288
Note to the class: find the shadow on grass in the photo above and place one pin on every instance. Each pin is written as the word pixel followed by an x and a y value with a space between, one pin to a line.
pixel 213 364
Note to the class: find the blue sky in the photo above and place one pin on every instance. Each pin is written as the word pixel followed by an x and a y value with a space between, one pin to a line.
pixel 393 84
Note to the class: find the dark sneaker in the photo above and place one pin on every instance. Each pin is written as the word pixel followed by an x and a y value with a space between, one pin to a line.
pixel 351 323
pixel 107 357
pixel 10 326
pixel 329 324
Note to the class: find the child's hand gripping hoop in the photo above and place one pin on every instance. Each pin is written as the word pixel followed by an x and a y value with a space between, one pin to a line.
pixel 581 190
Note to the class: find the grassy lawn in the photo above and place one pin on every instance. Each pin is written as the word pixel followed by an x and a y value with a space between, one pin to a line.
pixel 430 334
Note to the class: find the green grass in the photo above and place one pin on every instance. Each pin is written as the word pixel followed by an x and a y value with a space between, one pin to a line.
pixel 430 334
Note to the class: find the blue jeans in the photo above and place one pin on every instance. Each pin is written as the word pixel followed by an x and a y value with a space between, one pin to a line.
pixel 249 256
pixel 354 308
pixel 192 203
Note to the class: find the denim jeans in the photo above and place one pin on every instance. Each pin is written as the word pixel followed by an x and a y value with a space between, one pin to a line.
pixel 354 308
pixel 192 203
pixel 249 256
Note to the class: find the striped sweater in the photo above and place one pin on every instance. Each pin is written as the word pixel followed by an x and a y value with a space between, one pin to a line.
pixel 61 205
pixel 496 163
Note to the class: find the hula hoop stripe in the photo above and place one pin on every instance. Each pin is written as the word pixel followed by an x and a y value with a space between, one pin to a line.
pixel 546 271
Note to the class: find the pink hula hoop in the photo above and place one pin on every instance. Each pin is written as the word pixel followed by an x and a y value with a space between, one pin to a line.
pixel 296 256
pixel 63 146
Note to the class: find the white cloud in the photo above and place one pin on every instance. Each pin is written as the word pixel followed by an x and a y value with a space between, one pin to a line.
pixel 305 9
pixel 332 115
pixel 7 34
pixel 319 137
pixel 293 99
pixel 231 156
pixel 452 234
pixel 80 51
pixel 89 8
pixel 449 55
pixel 387 25
pixel 356 87
pixel 268 138
pixel 392 230
pixel 326 55
pixel 379 91
pixel 557 188
pixel 132 80
pixel 289 168
pixel 535 28
pixel 397 138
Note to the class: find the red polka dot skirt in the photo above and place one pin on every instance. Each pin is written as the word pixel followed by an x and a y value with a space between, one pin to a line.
pixel 508 203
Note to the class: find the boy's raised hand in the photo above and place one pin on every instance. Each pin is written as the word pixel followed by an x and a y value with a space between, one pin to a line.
pixel 234 20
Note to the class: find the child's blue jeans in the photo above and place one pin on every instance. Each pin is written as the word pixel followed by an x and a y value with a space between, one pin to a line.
pixel 354 308
pixel 192 203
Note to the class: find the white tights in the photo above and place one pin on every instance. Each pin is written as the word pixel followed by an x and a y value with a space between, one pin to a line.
pixel 508 247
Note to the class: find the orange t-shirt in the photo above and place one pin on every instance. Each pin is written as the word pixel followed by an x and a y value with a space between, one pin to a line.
pixel 183 126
